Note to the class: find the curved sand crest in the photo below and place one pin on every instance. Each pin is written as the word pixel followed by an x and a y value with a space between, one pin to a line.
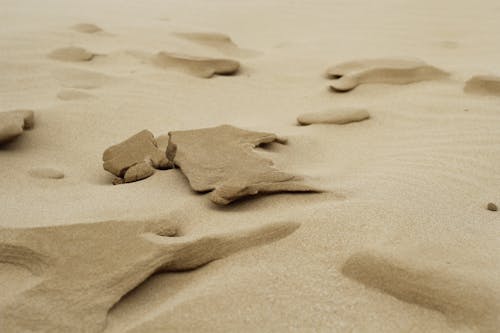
pixel 85 269
pixel 463 300
pixel 347 76
pixel 337 116
pixel 198 66
pixel 483 85
pixel 87 28
pixel 221 159
pixel 13 123
pixel 135 158
pixel 46 173
pixel 72 54
pixel 221 42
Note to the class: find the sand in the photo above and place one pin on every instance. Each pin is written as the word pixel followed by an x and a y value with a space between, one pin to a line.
pixel 400 238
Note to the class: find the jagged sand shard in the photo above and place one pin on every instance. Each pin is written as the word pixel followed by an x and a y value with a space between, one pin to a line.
pixel 135 158
pixel 80 271
pixel 349 75
pixel 198 66
pixel 461 296
pixel 222 159
pixel 13 123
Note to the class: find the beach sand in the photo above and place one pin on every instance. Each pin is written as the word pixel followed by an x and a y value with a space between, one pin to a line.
pixel 398 239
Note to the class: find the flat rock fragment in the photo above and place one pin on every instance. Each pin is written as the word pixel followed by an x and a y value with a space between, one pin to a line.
pixel 74 274
pixel 135 158
pixel 13 123
pixel 221 159
pixel 334 116
pixel 483 85
pixel 347 76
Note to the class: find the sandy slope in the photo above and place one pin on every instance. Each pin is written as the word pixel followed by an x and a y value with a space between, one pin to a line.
pixel 409 186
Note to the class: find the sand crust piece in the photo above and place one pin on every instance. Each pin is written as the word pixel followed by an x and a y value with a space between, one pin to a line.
pixel 13 123
pixel 87 28
pixel 491 206
pixel 198 66
pixel 335 116
pixel 72 54
pixel 135 158
pixel 222 159
pixel 78 272
pixel 47 173
pixel 347 76
pixel 483 85
pixel 462 299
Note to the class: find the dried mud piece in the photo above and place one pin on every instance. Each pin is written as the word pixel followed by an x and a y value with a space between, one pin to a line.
pixel 198 66
pixel 135 158
pixel 347 76
pixel 78 272
pixel 221 159
pixel 13 123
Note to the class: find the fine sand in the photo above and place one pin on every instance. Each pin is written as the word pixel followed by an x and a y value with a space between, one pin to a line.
pixel 393 224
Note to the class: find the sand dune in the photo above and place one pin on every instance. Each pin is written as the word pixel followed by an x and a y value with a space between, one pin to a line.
pixel 198 66
pixel 349 75
pixel 429 284
pixel 84 269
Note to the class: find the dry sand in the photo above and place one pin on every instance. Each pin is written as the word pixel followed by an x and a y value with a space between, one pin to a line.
pixel 401 240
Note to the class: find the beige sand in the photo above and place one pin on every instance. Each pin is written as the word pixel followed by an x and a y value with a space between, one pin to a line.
pixel 409 187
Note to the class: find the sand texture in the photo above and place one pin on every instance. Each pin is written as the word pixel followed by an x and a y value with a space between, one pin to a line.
pixel 220 159
pixel 373 125
pixel 347 76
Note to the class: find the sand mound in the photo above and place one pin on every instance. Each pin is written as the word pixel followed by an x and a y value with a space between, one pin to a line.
pixel 69 95
pixel 12 124
pixel 47 173
pixel 135 158
pixel 221 159
pixel 349 75
pixel 87 28
pixel 221 42
pixel 198 66
pixel 430 285
pixel 84 269
pixel 483 85
pixel 334 116
pixel 72 54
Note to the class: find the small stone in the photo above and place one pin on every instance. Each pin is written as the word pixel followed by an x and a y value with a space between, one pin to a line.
pixel 491 206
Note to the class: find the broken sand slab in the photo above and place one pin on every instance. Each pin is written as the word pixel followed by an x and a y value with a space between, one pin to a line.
pixel 13 123
pixel 221 159
pixel 347 76
pixel 198 66
pixel 221 42
pixel 337 116
pixel 483 85
pixel 463 297
pixel 72 54
pixel 135 158
pixel 74 274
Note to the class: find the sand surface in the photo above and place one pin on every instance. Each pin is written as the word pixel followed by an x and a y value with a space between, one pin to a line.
pixel 400 239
